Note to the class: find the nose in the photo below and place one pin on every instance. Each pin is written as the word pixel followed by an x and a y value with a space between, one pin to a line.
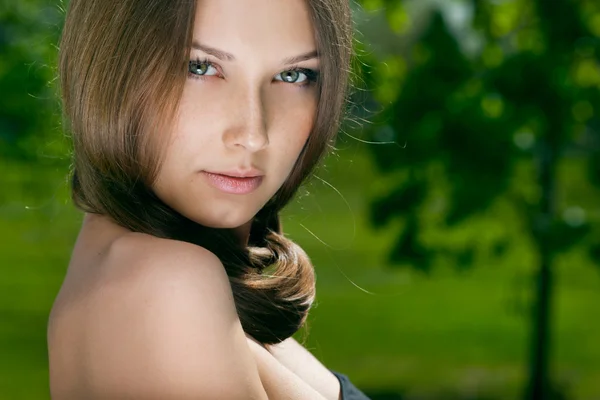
pixel 246 126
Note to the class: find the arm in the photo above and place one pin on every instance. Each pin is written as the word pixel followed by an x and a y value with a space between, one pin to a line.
pixel 305 365
pixel 279 381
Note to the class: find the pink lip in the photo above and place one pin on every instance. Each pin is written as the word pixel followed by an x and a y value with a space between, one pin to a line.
pixel 233 184
pixel 249 172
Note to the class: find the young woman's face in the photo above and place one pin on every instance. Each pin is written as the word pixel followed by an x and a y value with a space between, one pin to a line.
pixel 247 109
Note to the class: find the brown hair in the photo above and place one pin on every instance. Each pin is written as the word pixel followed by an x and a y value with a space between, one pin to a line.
pixel 122 70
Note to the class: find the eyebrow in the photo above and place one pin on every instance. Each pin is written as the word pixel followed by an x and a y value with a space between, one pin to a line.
pixel 224 56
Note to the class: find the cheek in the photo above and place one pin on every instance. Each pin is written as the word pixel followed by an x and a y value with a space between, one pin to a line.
pixel 195 117
pixel 288 144
pixel 289 138
pixel 294 116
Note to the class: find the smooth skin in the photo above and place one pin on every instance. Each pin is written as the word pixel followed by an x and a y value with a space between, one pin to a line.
pixel 240 114
pixel 139 317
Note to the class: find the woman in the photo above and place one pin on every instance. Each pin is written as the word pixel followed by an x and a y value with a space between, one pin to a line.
pixel 193 125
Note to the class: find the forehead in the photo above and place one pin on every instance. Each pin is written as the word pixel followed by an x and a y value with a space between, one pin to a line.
pixel 270 26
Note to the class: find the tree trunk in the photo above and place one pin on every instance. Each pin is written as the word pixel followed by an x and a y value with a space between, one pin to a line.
pixel 539 386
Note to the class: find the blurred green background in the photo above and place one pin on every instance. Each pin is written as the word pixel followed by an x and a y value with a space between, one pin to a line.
pixel 454 232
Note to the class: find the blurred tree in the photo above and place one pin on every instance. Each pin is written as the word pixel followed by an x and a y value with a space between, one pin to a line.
pixel 509 120
pixel 29 124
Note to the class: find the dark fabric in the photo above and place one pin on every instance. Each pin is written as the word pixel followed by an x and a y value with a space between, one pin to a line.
pixel 349 391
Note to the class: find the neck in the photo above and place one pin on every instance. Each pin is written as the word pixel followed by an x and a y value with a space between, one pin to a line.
pixel 243 232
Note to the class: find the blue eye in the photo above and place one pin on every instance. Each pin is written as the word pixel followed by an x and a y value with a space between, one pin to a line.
pixel 199 68
pixel 301 76
pixel 292 76
pixel 298 75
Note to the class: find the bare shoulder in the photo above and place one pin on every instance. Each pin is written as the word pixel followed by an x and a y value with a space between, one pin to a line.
pixel 138 256
pixel 163 325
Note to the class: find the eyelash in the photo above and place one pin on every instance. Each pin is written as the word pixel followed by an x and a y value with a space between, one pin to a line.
pixel 312 76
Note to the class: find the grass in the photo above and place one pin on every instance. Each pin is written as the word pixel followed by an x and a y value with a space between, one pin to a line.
pixel 450 334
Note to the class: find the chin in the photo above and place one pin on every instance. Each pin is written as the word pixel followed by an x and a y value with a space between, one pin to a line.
pixel 228 220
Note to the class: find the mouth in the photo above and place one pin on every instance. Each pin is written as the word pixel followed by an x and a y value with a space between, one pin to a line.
pixel 233 184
